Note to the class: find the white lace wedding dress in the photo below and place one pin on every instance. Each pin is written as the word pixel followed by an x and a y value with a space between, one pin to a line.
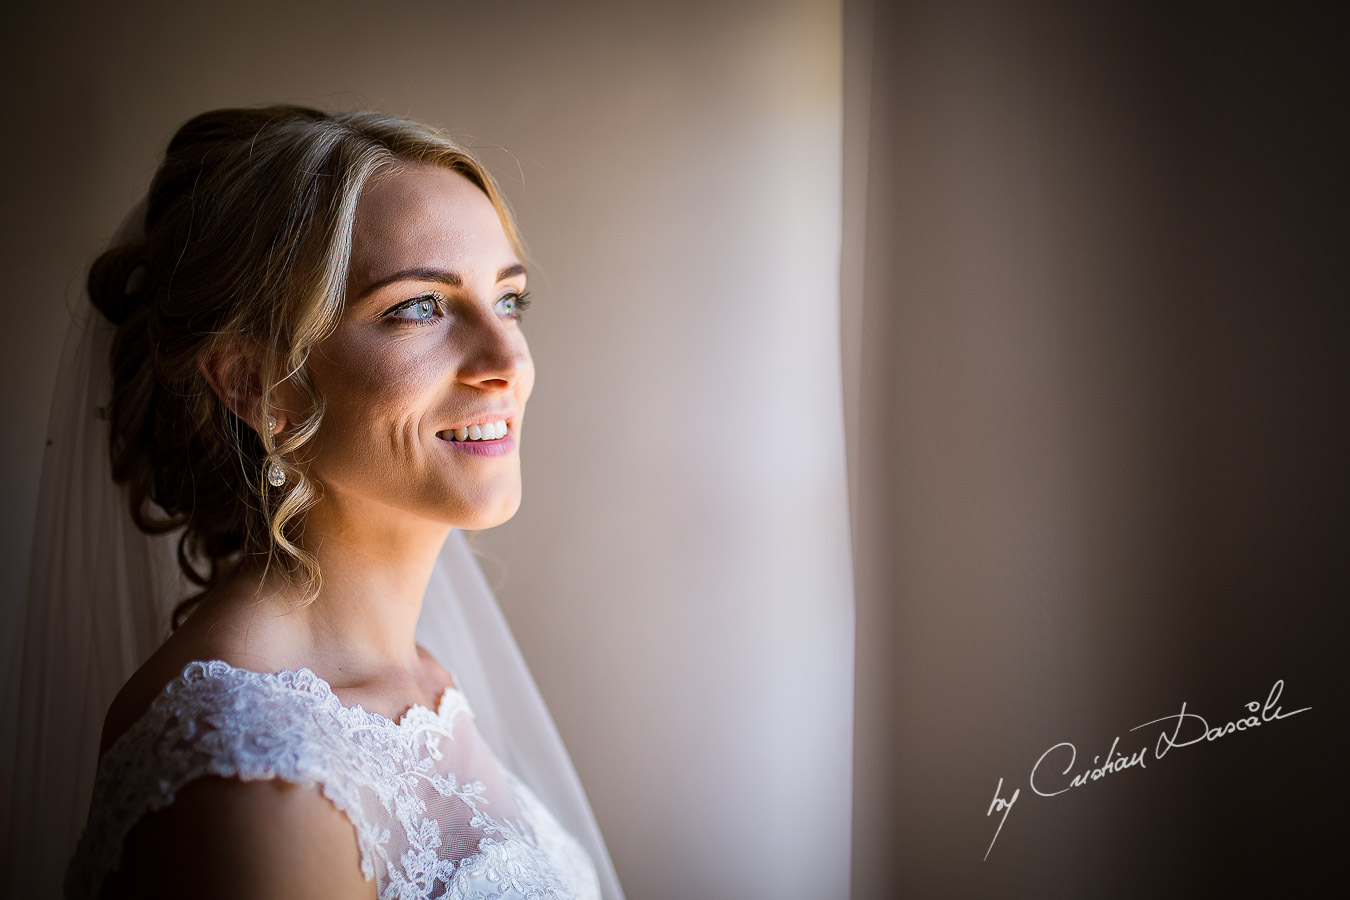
pixel 435 813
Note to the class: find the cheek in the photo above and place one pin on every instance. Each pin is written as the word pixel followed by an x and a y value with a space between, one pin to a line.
pixel 376 393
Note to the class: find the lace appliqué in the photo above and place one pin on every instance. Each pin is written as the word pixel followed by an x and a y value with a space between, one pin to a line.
pixel 435 815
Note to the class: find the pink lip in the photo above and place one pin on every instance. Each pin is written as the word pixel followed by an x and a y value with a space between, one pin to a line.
pixel 499 447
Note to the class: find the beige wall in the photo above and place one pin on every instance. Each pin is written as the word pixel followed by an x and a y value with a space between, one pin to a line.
pixel 678 576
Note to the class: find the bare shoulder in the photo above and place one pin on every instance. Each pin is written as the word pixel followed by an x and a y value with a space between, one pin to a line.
pixel 229 838
pixel 147 683
pixel 224 837
pixel 136 696
pixel 220 633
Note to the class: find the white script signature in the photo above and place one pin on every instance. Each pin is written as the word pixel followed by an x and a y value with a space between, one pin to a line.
pixel 1183 729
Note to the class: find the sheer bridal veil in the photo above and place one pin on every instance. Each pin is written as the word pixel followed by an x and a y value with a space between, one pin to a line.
pixel 100 593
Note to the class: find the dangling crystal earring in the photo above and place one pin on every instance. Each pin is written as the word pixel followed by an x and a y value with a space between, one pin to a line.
pixel 271 424
pixel 276 476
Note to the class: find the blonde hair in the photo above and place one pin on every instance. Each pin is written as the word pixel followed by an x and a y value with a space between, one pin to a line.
pixel 247 239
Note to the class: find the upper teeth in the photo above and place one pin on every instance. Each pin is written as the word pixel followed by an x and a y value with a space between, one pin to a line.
pixel 488 431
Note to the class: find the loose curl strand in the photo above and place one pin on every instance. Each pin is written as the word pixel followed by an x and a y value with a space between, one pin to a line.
pixel 246 247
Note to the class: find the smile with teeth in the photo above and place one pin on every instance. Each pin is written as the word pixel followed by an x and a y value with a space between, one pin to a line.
pixel 488 431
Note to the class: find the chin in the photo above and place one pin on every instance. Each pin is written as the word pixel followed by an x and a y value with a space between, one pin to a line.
pixel 489 514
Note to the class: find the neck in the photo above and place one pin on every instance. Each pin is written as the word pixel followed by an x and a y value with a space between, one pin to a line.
pixel 375 570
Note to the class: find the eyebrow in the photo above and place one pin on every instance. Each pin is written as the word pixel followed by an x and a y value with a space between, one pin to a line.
pixel 444 276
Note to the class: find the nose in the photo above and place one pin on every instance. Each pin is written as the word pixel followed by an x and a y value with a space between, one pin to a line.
pixel 497 355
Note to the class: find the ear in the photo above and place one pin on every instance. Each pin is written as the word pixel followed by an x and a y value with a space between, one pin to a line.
pixel 234 377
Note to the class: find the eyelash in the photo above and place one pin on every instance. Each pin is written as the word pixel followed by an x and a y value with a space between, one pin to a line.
pixel 521 301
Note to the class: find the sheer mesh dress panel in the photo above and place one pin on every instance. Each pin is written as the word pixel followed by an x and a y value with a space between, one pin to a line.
pixel 436 814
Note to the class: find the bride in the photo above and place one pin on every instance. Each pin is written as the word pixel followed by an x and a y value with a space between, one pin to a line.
pixel 319 375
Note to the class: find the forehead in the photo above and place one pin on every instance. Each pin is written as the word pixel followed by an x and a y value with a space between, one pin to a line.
pixel 426 215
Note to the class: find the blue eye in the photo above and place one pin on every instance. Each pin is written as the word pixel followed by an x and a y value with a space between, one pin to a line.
pixel 513 304
pixel 417 308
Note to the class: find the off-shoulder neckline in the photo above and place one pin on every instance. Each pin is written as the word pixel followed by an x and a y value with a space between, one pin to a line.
pixel 305 680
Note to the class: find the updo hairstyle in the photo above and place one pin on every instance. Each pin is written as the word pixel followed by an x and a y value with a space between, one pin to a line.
pixel 246 245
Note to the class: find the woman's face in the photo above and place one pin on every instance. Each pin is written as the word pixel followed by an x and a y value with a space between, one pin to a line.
pixel 427 362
